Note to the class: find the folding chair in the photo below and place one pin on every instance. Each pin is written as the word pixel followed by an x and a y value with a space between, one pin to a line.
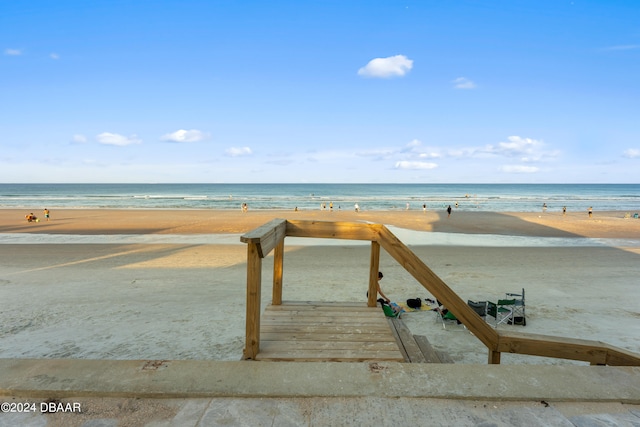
pixel 390 311
pixel 502 311
pixel 479 307
pixel 447 317
pixel 519 315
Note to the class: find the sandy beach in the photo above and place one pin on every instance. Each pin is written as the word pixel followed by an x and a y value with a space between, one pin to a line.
pixel 72 295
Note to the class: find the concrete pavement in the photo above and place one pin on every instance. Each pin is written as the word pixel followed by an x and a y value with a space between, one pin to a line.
pixel 210 393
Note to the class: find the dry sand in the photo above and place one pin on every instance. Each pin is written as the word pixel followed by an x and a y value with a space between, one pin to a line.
pixel 184 300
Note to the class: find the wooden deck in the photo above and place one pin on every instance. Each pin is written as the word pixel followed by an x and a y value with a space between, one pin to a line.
pixel 336 332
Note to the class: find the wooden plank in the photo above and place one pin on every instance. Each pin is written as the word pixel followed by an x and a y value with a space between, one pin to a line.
pixel 254 278
pixel 266 237
pixel 304 331
pixel 330 356
pixel 313 336
pixel 324 316
pixel 551 346
pixel 337 307
pixel 266 345
pixel 396 336
pixel 321 329
pixel 621 357
pixel 430 354
pixel 406 341
pixel 333 230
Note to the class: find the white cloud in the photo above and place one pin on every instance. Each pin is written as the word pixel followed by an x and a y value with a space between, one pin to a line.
pixel 54 55
pixel 238 151
pixel 517 146
pixel 519 169
pixel 392 66
pixel 415 148
pixel 108 138
pixel 13 52
pixel 182 135
pixel 79 139
pixel 463 83
pixel 632 153
pixel 412 165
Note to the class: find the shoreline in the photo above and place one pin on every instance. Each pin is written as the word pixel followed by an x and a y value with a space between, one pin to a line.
pixel 610 224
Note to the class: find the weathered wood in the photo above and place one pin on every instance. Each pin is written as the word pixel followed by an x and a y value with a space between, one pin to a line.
pixel 332 230
pixel 278 270
pixel 271 236
pixel 335 336
pixel 330 356
pixel 374 268
pixel 267 236
pixel 621 357
pixel 436 286
pixel 321 331
pixel 406 341
pixel 324 306
pixel 266 345
pixel 594 352
pixel 430 354
pixel 254 278
pixel 319 328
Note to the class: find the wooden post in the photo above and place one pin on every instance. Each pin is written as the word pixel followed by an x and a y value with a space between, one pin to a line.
pixel 254 279
pixel 278 268
pixel 374 267
pixel 494 357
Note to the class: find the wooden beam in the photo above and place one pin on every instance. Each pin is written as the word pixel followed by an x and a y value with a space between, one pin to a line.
pixel 332 230
pixel 254 279
pixel 594 352
pixel 278 270
pixel 621 357
pixel 266 237
pixel 436 286
pixel 374 268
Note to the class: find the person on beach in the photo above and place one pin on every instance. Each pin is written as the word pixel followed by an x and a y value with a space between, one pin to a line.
pixel 564 210
pixel 424 207
pixel 31 217
pixel 544 207
pixel 46 213
pixel 384 300
pixel 590 210
pixel 357 207
pixel 449 211
pixel 384 297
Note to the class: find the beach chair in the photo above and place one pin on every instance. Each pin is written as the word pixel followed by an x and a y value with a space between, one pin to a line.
pixel 448 317
pixel 502 311
pixel 519 314
pixel 480 307
pixel 390 312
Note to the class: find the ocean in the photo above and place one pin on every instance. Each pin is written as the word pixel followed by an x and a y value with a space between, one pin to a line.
pixel 482 197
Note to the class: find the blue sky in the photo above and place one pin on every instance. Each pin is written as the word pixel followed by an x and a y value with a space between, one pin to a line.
pixel 442 91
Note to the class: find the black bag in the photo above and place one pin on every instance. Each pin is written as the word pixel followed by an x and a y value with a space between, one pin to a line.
pixel 414 303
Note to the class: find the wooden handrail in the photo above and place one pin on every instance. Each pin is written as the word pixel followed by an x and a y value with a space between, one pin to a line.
pixel 270 236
